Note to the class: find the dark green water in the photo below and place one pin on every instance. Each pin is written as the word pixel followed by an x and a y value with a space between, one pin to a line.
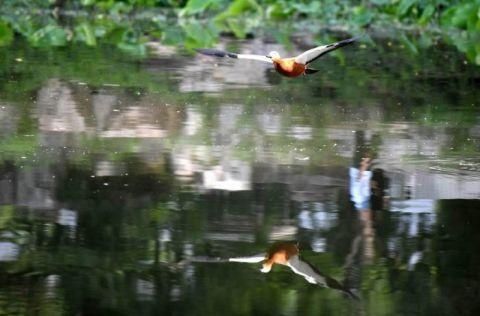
pixel 122 181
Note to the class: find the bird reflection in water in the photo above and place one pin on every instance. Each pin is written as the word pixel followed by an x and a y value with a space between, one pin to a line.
pixel 288 254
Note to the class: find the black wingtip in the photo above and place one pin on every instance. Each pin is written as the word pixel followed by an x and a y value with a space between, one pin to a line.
pixel 310 71
pixel 215 52
pixel 352 295
pixel 346 42
pixel 211 52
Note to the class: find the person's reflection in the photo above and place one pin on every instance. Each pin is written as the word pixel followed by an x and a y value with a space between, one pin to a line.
pixel 367 192
pixel 360 191
pixel 379 187
pixel 288 254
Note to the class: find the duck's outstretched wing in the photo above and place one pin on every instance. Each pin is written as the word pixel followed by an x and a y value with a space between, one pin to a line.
pixel 306 270
pixel 222 53
pixel 317 52
pixel 314 276
pixel 252 259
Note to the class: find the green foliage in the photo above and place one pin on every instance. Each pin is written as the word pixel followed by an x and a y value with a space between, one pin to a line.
pixel 6 34
pixel 20 147
pixel 84 32
pixel 6 214
pixel 362 16
pixel 50 35
pixel 466 17
pixel 238 8
pixel 198 6
pixel 129 24
pixel 427 14
pixel 198 35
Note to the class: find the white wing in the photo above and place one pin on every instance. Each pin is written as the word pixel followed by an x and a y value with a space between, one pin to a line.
pixel 252 259
pixel 255 57
pixel 313 276
pixel 222 53
pixel 314 53
pixel 304 269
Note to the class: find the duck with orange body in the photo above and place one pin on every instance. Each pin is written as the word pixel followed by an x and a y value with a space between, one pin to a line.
pixel 289 67
pixel 287 254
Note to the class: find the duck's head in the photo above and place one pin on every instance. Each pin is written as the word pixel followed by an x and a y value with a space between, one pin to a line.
pixel 273 55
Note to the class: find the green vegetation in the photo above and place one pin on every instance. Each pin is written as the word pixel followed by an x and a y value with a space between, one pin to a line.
pixel 130 24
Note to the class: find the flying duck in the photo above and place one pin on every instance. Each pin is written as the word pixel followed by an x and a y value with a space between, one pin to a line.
pixel 291 66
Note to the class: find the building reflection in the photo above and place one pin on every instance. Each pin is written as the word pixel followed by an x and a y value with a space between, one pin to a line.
pixel 218 152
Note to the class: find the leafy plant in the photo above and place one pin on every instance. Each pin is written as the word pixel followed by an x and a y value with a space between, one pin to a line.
pixel 129 24
pixel 6 34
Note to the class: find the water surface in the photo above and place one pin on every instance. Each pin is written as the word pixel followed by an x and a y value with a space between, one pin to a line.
pixel 124 184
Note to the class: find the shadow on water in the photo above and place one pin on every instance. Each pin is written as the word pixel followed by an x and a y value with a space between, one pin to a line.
pixel 116 179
